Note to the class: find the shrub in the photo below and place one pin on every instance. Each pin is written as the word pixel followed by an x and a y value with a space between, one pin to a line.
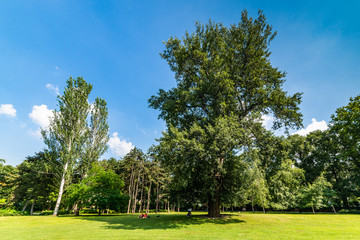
pixel 10 212
pixel 350 211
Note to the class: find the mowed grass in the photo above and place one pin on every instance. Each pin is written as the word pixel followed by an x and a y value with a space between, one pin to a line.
pixel 178 226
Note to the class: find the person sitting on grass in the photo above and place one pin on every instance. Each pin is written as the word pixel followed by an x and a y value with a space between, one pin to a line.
pixel 189 212
pixel 145 216
pixel 142 215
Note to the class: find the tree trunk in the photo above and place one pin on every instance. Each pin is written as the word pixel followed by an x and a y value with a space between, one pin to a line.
pixel 24 208
pixel 141 195
pixel 263 206
pixel 135 196
pixel 157 196
pixel 178 208
pixel 128 210
pixel 76 209
pixel 345 202
pixel 130 188
pixel 214 206
pixel 61 190
pixel 148 198
pixel 168 206
pixel 332 206
pixel 252 205
pixel 312 207
pixel 32 207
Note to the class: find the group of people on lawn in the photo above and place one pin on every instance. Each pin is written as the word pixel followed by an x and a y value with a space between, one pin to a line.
pixel 147 216
pixel 144 215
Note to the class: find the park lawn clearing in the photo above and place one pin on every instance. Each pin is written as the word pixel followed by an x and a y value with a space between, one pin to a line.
pixel 178 226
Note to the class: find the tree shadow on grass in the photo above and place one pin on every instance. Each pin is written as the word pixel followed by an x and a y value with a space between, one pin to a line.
pixel 164 221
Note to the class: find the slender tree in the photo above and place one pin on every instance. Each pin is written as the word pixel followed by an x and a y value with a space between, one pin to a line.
pixel 66 133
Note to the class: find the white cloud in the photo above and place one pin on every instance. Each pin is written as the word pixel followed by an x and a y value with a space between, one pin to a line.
pixel 8 109
pixel 313 126
pixel 56 67
pixel 41 115
pixel 118 146
pixel 53 88
pixel 35 133
pixel 267 121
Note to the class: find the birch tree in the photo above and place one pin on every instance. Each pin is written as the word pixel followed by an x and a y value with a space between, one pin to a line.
pixel 66 133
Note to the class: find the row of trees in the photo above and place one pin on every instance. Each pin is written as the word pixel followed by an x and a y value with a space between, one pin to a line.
pixel 314 171
pixel 133 184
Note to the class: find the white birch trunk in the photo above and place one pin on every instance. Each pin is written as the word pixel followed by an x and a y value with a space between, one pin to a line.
pixel 135 196
pixel 148 199
pixel 24 208
pixel 61 190
pixel 32 207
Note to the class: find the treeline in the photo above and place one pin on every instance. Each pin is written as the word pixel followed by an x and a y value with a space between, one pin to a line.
pixel 319 171
pixel 316 172
pixel 132 184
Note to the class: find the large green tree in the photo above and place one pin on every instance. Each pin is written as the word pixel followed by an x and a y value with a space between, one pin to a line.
pixel 225 82
pixel 345 135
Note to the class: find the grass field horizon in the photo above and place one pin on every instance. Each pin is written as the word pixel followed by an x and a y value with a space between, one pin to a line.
pixel 178 226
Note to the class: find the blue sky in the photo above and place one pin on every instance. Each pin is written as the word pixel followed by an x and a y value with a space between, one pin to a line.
pixel 115 46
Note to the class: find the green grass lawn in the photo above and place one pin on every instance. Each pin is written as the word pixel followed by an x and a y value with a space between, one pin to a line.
pixel 178 226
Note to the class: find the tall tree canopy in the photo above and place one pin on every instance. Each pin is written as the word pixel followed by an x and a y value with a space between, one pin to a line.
pixel 225 82
pixel 345 133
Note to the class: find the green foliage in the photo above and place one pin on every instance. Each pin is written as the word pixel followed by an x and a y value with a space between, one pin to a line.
pixel 8 175
pixel 37 180
pixel 349 211
pixel 97 136
pixel 256 186
pixel 9 212
pixel 346 127
pixel 101 188
pixel 285 184
pixel 66 131
pixel 104 189
pixel 316 195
